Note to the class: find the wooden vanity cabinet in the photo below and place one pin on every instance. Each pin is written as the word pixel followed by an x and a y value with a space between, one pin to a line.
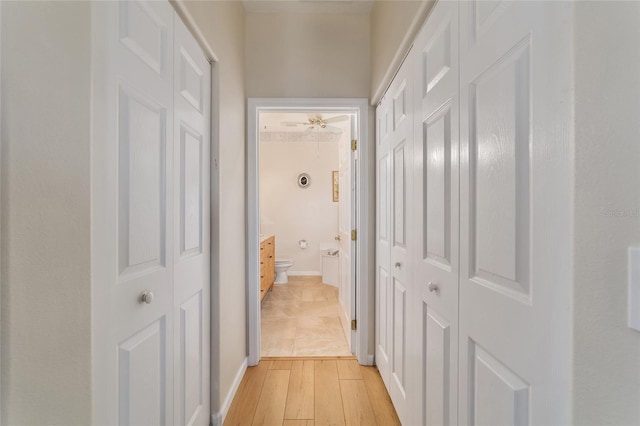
pixel 267 265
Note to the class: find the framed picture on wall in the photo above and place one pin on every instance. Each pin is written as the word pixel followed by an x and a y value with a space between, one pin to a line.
pixel 336 189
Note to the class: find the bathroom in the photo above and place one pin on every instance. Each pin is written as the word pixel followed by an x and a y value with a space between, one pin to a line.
pixel 303 159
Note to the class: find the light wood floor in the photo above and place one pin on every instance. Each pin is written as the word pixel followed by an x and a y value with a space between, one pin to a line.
pixel 311 392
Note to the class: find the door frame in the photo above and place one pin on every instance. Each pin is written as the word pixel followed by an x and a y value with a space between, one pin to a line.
pixel 364 216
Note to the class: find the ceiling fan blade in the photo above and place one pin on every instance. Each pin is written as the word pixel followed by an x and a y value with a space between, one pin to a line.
pixel 333 129
pixel 337 118
pixel 290 123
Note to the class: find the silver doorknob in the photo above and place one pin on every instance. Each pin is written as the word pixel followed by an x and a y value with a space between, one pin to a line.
pixel 146 297
pixel 432 287
pixel 398 265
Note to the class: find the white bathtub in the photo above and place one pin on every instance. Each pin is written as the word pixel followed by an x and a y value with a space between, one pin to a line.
pixel 331 267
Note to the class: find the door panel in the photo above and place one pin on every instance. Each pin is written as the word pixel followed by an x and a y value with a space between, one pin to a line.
pixel 142 377
pixel 401 150
pixel 383 242
pixel 142 186
pixel 436 206
pixel 141 121
pixel 145 30
pixel 191 253
pixel 499 397
pixel 499 165
pixel 192 368
pixel 191 191
pixel 514 327
pixel 438 368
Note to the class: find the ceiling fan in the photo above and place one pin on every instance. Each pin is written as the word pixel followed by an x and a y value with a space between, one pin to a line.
pixel 315 121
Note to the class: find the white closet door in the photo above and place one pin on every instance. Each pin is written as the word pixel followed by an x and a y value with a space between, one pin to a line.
pixel 515 341
pixel 383 341
pixel 400 153
pixel 191 183
pixel 150 218
pixel 436 207
pixel 133 232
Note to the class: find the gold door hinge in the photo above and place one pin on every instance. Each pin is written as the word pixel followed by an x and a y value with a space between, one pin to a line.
pixel 354 235
pixel 354 144
pixel 354 324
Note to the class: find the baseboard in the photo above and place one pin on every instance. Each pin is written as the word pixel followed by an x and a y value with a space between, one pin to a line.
pixel 370 359
pixel 217 419
pixel 303 273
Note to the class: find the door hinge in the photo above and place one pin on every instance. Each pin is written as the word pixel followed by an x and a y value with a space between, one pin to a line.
pixel 354 324
pixel 354 144
pixel 354 235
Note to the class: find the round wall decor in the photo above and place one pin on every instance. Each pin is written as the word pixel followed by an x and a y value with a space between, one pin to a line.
pixel 304 180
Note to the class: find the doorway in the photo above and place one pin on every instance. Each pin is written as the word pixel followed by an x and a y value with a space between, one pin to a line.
pixel 305 191
pixel 319 125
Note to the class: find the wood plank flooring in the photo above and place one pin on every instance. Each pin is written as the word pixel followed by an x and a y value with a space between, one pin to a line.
pixel 311 392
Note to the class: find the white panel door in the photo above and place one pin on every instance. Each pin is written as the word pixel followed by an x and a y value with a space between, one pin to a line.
pixel 191 183
pixel 383 242
pixel 401 160
pixel 515 64
pixel 132 227
pixel 436 211
pixel 150 210
pixel 346 204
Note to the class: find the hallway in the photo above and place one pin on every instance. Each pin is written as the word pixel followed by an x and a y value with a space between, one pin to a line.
pixel 311 392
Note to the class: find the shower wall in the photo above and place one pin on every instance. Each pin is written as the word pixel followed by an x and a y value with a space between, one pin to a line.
pixel 293 213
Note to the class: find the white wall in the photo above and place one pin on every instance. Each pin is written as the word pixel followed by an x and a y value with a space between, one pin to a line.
pixel 607 178
pixel 45 249
pixel 293 213
pixel 222 24
pixel 304 55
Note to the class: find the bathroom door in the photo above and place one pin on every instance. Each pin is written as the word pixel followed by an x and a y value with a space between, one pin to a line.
pixel 346 204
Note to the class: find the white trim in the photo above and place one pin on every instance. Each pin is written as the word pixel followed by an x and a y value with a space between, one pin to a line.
pixel 217 419
pixel 188 20
pixel 304 273
pixel 369 360
pixel 363 220
pixel 1 296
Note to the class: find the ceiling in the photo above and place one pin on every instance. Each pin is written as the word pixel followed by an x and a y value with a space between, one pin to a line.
pixel 309 6
pixel 272 121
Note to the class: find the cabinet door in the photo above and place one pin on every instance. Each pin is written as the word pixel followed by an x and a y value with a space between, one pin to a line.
pixel 271 261
pixel 515 194
pixel 435 203
pixel 263 270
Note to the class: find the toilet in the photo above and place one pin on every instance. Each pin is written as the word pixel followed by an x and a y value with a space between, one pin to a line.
pixel 282 265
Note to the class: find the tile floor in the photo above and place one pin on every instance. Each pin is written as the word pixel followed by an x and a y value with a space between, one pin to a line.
pixel 301 318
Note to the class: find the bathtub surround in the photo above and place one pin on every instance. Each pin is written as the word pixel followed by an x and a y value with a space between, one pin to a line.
pixel 293 213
